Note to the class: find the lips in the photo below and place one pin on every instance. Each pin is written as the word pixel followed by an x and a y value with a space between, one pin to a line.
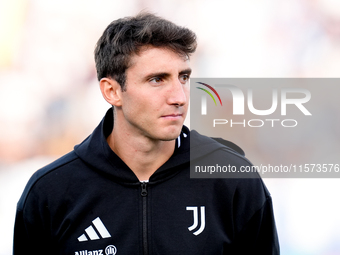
pixel 172 115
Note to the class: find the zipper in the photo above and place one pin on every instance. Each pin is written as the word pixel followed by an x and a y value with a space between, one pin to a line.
pixel 144 194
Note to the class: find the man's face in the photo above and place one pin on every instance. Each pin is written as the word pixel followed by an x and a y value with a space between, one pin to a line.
pixel 156 99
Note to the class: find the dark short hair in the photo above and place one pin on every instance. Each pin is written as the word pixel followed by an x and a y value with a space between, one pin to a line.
pixel 125 37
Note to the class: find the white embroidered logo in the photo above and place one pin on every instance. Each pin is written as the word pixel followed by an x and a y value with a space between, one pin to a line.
pixel 195 224
pixel 111 250
pixel 92 234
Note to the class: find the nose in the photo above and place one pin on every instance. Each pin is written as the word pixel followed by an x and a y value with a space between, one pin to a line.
pixel 178 93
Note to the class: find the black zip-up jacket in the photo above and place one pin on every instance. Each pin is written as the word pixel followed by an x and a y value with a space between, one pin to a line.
pixel 89 202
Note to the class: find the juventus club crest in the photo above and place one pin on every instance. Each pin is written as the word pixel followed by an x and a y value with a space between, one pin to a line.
pixel 198 213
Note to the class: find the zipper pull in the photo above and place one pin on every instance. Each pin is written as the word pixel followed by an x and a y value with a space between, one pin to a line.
pixel 144 192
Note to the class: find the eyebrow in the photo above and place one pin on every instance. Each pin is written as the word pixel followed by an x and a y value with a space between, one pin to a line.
pixel 165 74
pixel 160 74
pixel 186 71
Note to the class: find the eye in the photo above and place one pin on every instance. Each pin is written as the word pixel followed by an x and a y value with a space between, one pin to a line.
pixel 156 80
pixel 184 78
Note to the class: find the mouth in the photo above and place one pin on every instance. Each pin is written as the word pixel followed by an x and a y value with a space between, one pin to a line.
pixel 173 116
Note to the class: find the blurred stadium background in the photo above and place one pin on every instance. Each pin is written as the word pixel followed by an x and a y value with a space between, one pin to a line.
pixel 50 101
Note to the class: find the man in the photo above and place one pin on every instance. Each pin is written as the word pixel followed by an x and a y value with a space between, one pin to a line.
pixel 127 189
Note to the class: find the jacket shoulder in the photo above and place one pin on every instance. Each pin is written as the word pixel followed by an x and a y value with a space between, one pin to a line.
pixel 218 156
pixel 38 175
pixel 230 145
pixel 203 145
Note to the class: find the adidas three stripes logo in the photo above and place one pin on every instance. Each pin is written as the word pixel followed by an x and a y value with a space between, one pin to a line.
pixel 93 231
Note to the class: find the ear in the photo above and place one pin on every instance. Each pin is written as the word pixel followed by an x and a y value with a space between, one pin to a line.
pixel 111 91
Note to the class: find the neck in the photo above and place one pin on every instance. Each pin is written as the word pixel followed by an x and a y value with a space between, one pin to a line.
pixel 141 154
